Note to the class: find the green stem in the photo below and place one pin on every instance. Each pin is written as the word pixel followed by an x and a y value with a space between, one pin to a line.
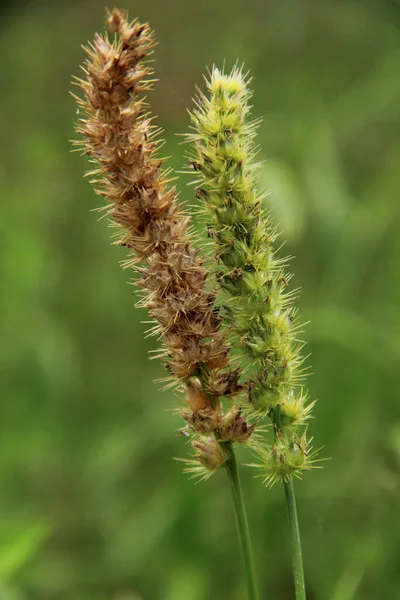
pixel 242 524
pixel 297 557
pixel 298 571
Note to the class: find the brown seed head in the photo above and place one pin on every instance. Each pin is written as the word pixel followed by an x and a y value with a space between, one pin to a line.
pixel 120 139
pixel 210 453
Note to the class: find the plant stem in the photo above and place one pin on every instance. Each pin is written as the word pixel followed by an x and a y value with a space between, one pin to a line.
pixel 297 557
pixel 298 571
pixel 242 524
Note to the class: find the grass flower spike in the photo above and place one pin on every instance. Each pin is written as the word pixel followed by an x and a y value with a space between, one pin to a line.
pixel 118 136
pixel 257 307
pixel 121 141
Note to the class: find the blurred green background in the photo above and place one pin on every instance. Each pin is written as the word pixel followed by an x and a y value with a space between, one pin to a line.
pixel 92 506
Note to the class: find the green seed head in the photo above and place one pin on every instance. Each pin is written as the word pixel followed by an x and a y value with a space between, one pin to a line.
pixel 255 303
pixel 256 306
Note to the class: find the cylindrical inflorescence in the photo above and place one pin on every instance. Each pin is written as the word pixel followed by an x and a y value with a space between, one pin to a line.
pixel 121 141
pixel 258 309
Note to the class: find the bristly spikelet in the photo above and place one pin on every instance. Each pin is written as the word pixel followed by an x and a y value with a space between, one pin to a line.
pixel 256 306
pixel 296 409
pixel 228 426
pixel 122 143
pixel 288 457
pixel 209 456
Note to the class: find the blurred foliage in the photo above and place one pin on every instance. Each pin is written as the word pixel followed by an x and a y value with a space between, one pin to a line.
pixel 92 505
